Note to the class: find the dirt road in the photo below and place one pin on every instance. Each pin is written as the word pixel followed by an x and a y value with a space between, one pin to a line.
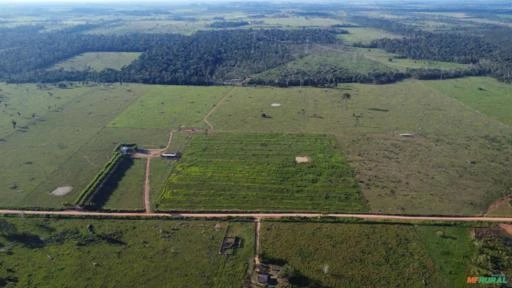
pixel 147 187
pixel 260 216
pixel 153 153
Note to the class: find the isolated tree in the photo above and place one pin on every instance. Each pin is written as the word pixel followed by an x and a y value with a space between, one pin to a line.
pixel 13 122
pixel 345 97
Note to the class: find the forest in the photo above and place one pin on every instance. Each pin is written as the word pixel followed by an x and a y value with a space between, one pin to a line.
pixel 234 55
pixel 488 46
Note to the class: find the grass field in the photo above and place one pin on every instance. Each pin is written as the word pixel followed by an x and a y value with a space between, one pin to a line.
pixel 97 61
pixel 423 174
pixel 402 64
pixel 121 253
pixel 150 25
pixel 129 193
pixel 66 144
pixel 484 94
pixel 258 172
pixel 170 106
pixel 28 100
pixel 299 21
pixel 325 64
pixel 366 35
pixel 391 255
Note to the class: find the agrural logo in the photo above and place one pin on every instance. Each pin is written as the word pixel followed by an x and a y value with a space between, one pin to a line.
pixel 497 279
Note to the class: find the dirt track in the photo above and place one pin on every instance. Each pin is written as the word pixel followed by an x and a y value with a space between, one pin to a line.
pixel 205 118
pixel 259 216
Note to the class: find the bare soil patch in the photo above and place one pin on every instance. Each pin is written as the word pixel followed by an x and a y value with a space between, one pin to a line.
pixel 507 228
pixel 62 190
pixel 302 159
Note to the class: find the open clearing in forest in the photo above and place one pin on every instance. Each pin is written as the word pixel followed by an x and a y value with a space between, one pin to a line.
pixel 97 61
pixel 258 172
pixel 122 253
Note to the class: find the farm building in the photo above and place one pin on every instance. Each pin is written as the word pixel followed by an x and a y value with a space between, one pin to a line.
pixel 171 155
pixel 127 149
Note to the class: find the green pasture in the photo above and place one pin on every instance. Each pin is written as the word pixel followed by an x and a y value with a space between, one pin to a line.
pixel 129 193
pixel 483 94
pixel 300 21
pixel 170 107
pixel 366 35
pixel 368 255
pixel 258 172
pixel 67 145
pixel 324 64
pixel 451 165
pixel 121 253
pixel 393 61
pixel 97 61
pixel 32 103
pixel 127 25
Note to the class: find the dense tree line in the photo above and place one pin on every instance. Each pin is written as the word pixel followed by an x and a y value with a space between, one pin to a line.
pixel 330 78
pixel 31 50
pixel 206 57
pixel 489 46
pixel 228 24
pixel 442 47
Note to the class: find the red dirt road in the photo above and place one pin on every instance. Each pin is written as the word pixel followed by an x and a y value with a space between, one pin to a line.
pixel 259 216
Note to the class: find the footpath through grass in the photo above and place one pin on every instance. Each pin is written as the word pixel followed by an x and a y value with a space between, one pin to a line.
pixel 258 172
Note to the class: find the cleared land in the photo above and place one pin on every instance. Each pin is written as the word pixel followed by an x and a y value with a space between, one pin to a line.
pixel 324 64
pixel 258 172
pixel 333 255
pixel 66 144
pixel 484 94
pixel 170 107
pixel 366 35
pixel 299 21
pixel 402 64
pixel 449 166
pixel 98 61
pixel 121 253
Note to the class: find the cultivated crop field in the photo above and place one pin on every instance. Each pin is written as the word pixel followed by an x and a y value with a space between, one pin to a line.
pixel 121 253
pixel 392 255
pixel 98 61
pixel 453 148
pixel 258 172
